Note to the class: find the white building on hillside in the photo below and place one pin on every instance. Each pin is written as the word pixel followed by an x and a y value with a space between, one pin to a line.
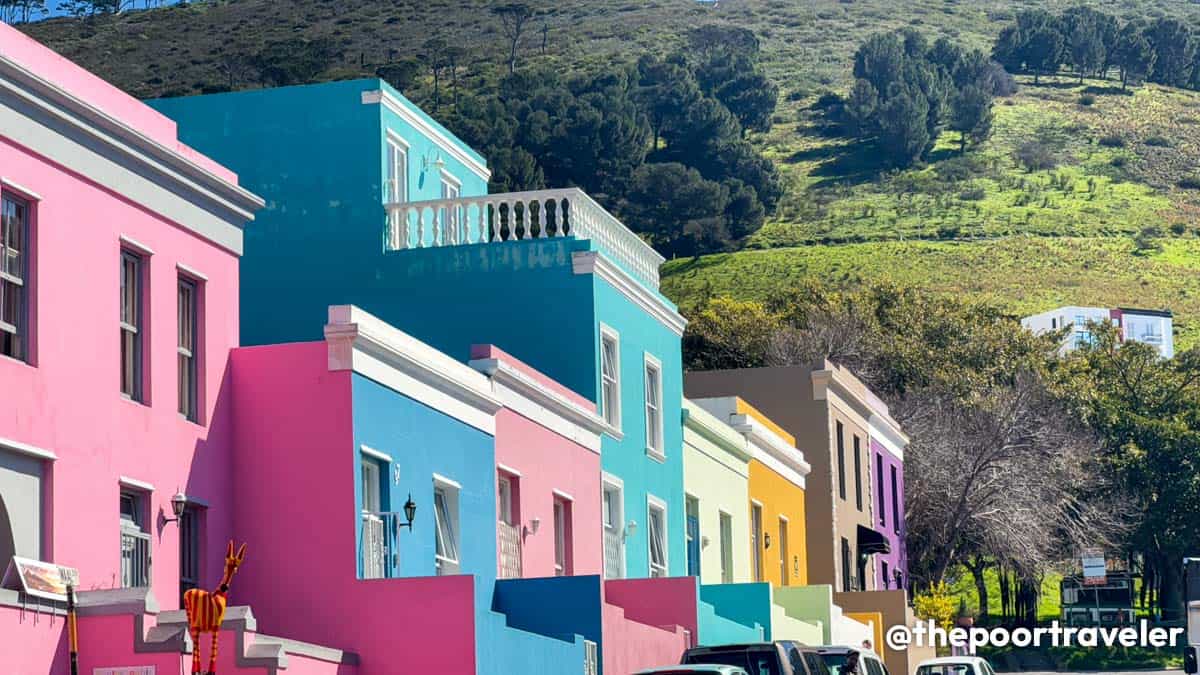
pixel 1149 326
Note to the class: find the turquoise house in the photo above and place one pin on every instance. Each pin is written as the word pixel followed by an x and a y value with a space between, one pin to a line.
pixel 371 202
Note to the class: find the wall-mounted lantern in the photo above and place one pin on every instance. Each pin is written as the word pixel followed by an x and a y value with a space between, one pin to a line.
pixel 178 505
pixel 766 540
pixel 410 512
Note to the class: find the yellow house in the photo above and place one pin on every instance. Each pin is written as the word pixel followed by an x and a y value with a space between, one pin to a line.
pixel 778 540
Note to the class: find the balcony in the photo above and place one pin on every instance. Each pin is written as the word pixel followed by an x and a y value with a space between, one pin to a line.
pixel 378 544
pixel 614 551
pixel 135 558
pixel 512 216
pixel 509 537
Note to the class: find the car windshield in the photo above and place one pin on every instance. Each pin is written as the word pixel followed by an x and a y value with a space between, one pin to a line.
pixel 753 661
pixel 947 669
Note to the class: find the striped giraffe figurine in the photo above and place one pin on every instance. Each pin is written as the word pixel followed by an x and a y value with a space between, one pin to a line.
pixel 206 611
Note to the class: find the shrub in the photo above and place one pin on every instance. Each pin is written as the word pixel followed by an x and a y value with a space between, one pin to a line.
pixel 1119 161
pixel 1112 141
pixel 972 194
pixel 1157 141
pixel 1036 156
pixel 1191 182
pixel 1087 99
pixel 1178 229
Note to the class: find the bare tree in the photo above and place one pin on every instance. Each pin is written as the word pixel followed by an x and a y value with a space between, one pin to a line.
pixel 513 18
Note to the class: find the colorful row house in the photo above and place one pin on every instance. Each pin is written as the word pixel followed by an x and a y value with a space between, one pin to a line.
pixel 455 440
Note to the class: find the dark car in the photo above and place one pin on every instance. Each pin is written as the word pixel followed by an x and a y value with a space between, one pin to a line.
pixel 846 660
pixel 784 657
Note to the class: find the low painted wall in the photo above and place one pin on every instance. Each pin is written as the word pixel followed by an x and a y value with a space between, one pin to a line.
pixel 874 621
pixel 734 613
pixel 787 627
pixel 30 643
pixel 813 604
pixel 893 606
pixel 658 602
pixel 631 646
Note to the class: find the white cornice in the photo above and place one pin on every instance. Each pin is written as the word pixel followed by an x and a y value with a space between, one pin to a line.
pixel 885 430
pixel 178 173
pixel 535 401
pixel 832 380
pixel 27 449
pixel 771 449
pixel 379 96
pixel 593 262
pixel 714 430
pixel 363 343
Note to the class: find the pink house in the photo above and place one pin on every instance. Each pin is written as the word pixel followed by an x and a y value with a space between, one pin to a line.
pixel 119 252
pixel 548 472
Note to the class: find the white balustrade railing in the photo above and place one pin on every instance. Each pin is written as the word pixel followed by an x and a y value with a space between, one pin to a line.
pixel 509 539
pixel 537 214
pixel 614 553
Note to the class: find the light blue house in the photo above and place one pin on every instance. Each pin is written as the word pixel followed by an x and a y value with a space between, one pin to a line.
pixel 371 202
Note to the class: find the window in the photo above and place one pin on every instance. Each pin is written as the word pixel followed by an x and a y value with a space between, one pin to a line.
pixel 371 498
pixel 189 550
pixel 22 492
pixel 610 377
pixel 783 551
pixel 692 534
pixel 132 313
pixel 14 273
pixel 858 500
pixel 614 540
pixel 451 217
pixel 726 543
pixel 135 540
pixel 847 580
pixel 879 482
pixel 841 460
pixel 654 418
pixel 883 572
pixel 756 549
pixel 562 538
pixel 504 490
pixel 656 521
pixel 895 502
pixel 188 355
pixel 445 512
pixel 397 171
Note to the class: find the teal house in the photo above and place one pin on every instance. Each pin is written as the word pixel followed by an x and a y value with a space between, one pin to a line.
pixel 371 202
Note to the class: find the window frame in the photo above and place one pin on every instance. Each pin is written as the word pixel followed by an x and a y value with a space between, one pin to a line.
pixel 610 484
pixel 652 373
pixel 757 564
pixel 841 459
pixel 654 504
pixel 784 570
pixel 446 527
pixel 561 514
pixel 138 525
pixel 895 500
pixel 140 261
pixel 725 543
pixel 23 283
pixel 607 334
pixel 396 174
pixel 882 489
pixel 189 401
pixel 505 494
pixel 858 482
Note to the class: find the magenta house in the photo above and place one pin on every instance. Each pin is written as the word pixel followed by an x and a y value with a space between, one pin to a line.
pixel 119 251
pixel 888 443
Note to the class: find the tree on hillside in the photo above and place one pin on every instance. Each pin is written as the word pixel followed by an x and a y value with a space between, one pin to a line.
pixel 1174 52
pixel 666 89
pixel 733 39
pixel 971 115
pixel 514 17
pixel 1086 49
pixel 294 61
pixel 433 53
pixel 1091 35
pixel 682 213
pixel 1134 56
pixel 401 73
pixel 1044 51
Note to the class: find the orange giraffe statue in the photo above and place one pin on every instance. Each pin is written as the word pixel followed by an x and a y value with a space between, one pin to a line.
pixel 206 610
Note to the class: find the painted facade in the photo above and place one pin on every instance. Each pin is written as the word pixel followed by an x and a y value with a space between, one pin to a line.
pixel 716 465
pixel 90 178
pixel 548 299
pixel 888 443
pixel 1152 327
pixel 372 409
pixel 827 410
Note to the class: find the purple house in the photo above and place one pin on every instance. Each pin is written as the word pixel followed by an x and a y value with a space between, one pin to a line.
pixel 887 489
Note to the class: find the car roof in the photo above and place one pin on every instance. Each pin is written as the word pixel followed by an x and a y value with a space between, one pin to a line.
pixel 947 660
pixel 691 668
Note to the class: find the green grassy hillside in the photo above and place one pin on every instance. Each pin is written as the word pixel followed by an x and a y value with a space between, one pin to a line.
pixel 1126 165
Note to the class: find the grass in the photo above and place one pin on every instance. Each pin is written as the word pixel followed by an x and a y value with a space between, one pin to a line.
pixel 1023 274
pixel 963 585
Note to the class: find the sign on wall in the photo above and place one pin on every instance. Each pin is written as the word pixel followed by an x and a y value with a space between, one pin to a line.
pixel 38 579
pixel 134 670
pixel 1095 571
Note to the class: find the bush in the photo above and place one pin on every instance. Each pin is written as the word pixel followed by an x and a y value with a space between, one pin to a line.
pixel 1087 99
pixel 1178 229
pixel 1191 182
pixel 972 194
pixel 1158 141
pixel 828 100
pixel 1036 156
pixel 957 169
pixel 1119 161
pixel 1112 141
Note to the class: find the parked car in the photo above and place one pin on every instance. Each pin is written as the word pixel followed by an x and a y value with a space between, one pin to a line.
pixel 783 657
pixel 701 669
pixel 955 665
pixel 845 660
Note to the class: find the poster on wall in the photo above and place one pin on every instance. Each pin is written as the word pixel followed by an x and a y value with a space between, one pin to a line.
pixel 38 579
pixel 135 670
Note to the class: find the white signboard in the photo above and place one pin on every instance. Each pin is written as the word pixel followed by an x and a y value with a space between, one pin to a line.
pixel 1095 571
pixel 136 670
pixel 39 579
